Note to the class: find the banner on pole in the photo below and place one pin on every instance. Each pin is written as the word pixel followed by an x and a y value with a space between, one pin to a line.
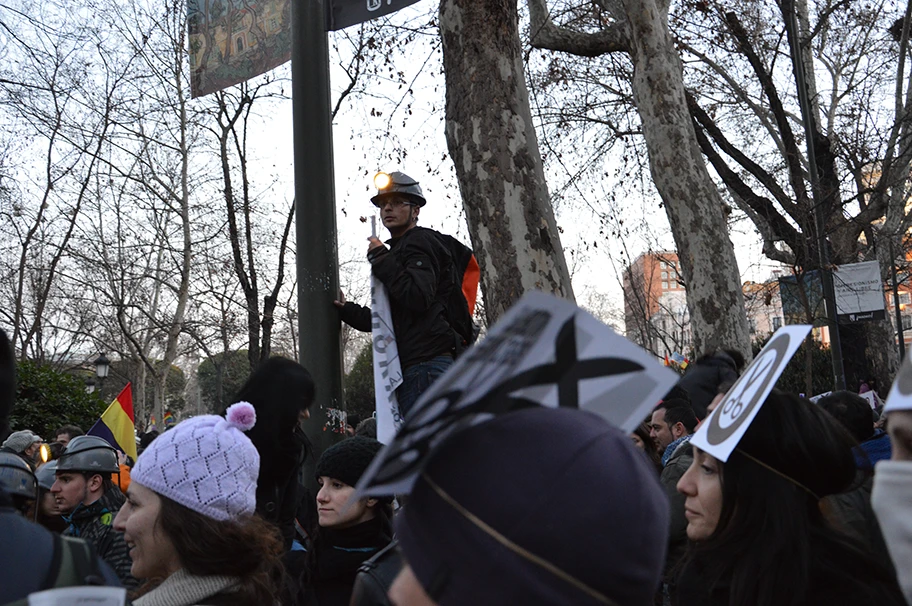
pixel 343 13
pixel 802 298
pixel 387 368
pixel 859 293
pixel 232 41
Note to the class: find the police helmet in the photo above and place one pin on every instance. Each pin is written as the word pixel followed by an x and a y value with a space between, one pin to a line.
pixel 397 183
pixel 46 474
pixel 16 476
pixel 88 453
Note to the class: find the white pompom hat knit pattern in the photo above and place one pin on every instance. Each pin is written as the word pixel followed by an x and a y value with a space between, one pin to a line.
pixel 206 464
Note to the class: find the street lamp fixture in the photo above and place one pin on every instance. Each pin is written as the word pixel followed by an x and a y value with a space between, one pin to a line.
pixel 102 367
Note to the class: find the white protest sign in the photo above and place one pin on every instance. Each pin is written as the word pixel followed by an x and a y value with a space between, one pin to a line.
pixel 720 433
pixel 872 399
pixel 545 351
pixel 79 596
pixel 859 292
pixel 387 367
pixel 900 397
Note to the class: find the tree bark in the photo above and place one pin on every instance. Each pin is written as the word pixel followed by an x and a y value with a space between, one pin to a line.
pixel 692 201
pixel 492 141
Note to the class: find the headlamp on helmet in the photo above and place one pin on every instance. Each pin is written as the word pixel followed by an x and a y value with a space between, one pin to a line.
pixel 400 184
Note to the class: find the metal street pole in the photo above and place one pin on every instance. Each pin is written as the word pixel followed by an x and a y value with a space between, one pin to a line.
pixel 899 325
pixel 829 294
pixel 315 219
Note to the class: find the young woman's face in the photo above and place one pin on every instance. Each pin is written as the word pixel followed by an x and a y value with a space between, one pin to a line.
pixel 48 504
pixel 702 485
pixel 334 509
pixel 153 553
pixel 637 441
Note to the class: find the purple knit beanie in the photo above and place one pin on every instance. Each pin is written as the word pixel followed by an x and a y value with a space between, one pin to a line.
pixel 206 464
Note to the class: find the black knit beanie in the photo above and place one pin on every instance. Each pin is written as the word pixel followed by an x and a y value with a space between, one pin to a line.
pixel 348 459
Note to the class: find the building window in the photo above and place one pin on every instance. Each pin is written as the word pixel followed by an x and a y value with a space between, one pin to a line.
pixel 664 285
pixel 777 323
pixel 904 298
pixel 906 322
pixel 239 44
pixel 664 275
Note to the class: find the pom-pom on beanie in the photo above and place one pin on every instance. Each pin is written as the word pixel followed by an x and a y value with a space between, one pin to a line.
pixel 348 459
pixel 206 464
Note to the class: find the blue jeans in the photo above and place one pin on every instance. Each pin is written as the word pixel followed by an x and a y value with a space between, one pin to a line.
pixel 416 379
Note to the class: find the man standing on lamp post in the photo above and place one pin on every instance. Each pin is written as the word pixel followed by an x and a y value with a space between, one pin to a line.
pixel 418 270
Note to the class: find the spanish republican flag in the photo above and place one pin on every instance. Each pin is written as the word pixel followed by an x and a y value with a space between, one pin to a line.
pixel 116 424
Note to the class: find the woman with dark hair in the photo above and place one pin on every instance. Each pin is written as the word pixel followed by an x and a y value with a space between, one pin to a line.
pixel 760 537
pixel 348 533
pixel 642 440
pixel 189 520
pixel 281 391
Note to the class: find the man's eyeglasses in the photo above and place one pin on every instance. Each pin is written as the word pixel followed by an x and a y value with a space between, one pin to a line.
pixel 393 203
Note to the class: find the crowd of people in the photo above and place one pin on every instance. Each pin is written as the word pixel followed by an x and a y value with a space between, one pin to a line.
pixel 536 506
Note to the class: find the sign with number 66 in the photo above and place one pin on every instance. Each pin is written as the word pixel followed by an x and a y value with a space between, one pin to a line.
pixel 722 430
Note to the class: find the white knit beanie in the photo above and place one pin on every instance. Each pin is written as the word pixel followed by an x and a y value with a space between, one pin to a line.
pixel 206 464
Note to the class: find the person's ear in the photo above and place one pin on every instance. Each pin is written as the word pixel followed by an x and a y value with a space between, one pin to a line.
pixel 417 210
pixel 371 503
pixel 95 483
pixel 678 430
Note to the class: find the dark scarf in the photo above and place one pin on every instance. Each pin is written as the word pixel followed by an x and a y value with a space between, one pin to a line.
pixel 341 552
pixel 337 555
pixel 103 509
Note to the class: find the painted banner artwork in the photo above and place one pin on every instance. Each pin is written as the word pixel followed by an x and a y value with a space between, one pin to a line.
pixel 231 41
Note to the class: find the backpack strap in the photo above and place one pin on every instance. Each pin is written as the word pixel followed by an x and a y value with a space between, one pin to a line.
pixel 50 581
pixel 85 562
pixel 74 562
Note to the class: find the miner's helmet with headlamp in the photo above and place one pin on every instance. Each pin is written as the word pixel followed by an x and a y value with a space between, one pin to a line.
pixel 399 184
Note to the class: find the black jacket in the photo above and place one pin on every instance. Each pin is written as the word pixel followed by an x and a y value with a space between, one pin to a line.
pixel 94 523
pixel 327 579
pixel 376 576
pixel 277 491
pixel 419 275
pixel 673 471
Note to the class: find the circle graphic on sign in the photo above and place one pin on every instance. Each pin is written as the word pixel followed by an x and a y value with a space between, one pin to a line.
pixel 749 392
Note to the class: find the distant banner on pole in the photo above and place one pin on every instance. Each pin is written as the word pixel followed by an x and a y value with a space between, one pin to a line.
pixel 859 293
pixel 232 41
pixel 343 13
pixel 801 298
pixel 387 367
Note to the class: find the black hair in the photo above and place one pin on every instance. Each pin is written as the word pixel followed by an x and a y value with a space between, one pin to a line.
pixel 56 449
pixel 771 532
pixel 852 411
pixel 649 447
pixel 70 430
pixel 679 411
pixel 278 390
pixel 677 393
